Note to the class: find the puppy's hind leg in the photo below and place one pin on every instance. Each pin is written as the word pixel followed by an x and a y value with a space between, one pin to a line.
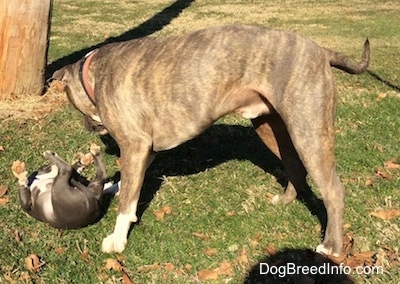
pixel 101 173
pixel 64 169
pixel 97 185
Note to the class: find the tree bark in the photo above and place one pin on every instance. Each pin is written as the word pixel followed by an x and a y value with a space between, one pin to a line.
pixel 24 36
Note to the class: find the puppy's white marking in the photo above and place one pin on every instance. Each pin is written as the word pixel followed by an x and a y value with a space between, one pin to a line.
pixel 43 181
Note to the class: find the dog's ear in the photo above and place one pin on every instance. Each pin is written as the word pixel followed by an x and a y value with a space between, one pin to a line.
pixel 59 74
pixel 60 79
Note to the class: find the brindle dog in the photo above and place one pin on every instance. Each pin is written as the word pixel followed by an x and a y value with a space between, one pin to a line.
pixel 154 93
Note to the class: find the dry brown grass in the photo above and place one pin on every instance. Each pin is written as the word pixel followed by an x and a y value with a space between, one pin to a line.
pixel 24 107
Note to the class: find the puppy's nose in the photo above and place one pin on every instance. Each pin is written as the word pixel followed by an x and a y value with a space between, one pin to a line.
pixel 49 153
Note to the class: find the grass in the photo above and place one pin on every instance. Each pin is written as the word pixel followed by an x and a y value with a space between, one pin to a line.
pixel 218 186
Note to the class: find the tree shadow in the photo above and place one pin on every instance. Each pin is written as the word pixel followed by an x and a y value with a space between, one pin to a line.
pixel 297 266
pixel 219 144
pixel 152 25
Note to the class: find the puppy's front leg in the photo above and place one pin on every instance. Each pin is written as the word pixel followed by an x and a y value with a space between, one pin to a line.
pixel 134 162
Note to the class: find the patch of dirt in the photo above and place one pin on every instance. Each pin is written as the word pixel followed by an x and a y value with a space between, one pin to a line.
pixel 32 107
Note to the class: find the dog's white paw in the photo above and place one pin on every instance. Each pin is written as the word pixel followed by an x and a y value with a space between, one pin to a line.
pixel 326 251
pixel 114 243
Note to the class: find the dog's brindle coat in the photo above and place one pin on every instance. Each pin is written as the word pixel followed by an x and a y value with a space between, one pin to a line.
pixel 57 194
pixel 153 94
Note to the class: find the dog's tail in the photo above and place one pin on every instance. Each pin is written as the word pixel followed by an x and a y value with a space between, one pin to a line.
pixel 346 64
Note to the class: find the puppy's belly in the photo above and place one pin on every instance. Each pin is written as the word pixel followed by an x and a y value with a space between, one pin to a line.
pixel 46 206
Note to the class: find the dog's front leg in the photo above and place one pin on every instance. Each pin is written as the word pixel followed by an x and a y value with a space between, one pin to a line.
pixel 134 162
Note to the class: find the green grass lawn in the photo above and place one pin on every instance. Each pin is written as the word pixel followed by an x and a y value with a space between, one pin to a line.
pixel 207 215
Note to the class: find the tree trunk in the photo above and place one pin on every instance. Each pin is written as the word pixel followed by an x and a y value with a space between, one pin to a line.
pixel 24 33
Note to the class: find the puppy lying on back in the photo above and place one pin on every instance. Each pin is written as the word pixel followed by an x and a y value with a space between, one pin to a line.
pixel 57 194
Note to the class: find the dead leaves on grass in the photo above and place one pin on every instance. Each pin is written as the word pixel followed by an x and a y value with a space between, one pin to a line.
pixel 159 214
pixel 385 214
pixel 116 266
pixel 3 199
pixel 33 263
pixel 390 167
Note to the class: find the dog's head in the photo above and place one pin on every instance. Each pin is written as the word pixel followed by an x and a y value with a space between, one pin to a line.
pixel 68 80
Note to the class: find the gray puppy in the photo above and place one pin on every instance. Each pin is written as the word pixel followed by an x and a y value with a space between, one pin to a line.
pixel 154 93
pixel 57 194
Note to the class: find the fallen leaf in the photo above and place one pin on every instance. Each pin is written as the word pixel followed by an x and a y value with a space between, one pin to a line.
pixel 169 266
pixel 86 159
pixel 59 250
pixel 381 96
pixel 225 268
pixel 210 251
pixel 385 214
pixel 8 278
pixel 391 165
pixel 24 277
pixel 207 275
pixel 270 250
pixel 200 235
pixel 125 278
pixel 159 214
pixel 346 226
pixel 3 190
pixel 4 200
pixel 17 237
pixel 1 148
pixel 147 268
pixel 166 209
pixel 365 257
pixel 369 182
pixel 33 263
pixel 243 258
pixel 383 174
pixel 113 264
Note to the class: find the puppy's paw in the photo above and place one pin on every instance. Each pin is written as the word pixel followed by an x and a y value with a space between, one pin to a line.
pixel 114 243
pixel 94 149
pixel 18 168
pixel 322 249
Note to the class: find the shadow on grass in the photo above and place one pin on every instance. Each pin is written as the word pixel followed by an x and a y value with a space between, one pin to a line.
pixel 297 266
pixel 154 24
pixel 219 144
pixel 384 81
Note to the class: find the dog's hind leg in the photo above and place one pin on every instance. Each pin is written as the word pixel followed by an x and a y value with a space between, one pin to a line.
pixel 135 158
pixel 312 132
pixel 272 131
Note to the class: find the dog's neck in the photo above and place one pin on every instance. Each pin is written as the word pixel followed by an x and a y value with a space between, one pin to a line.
pixel 84 75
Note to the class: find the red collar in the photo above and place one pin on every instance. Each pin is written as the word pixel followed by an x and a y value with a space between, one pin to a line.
pixel 84 75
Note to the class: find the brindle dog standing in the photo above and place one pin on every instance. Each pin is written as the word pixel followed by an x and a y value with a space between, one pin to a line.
pixel 153 94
